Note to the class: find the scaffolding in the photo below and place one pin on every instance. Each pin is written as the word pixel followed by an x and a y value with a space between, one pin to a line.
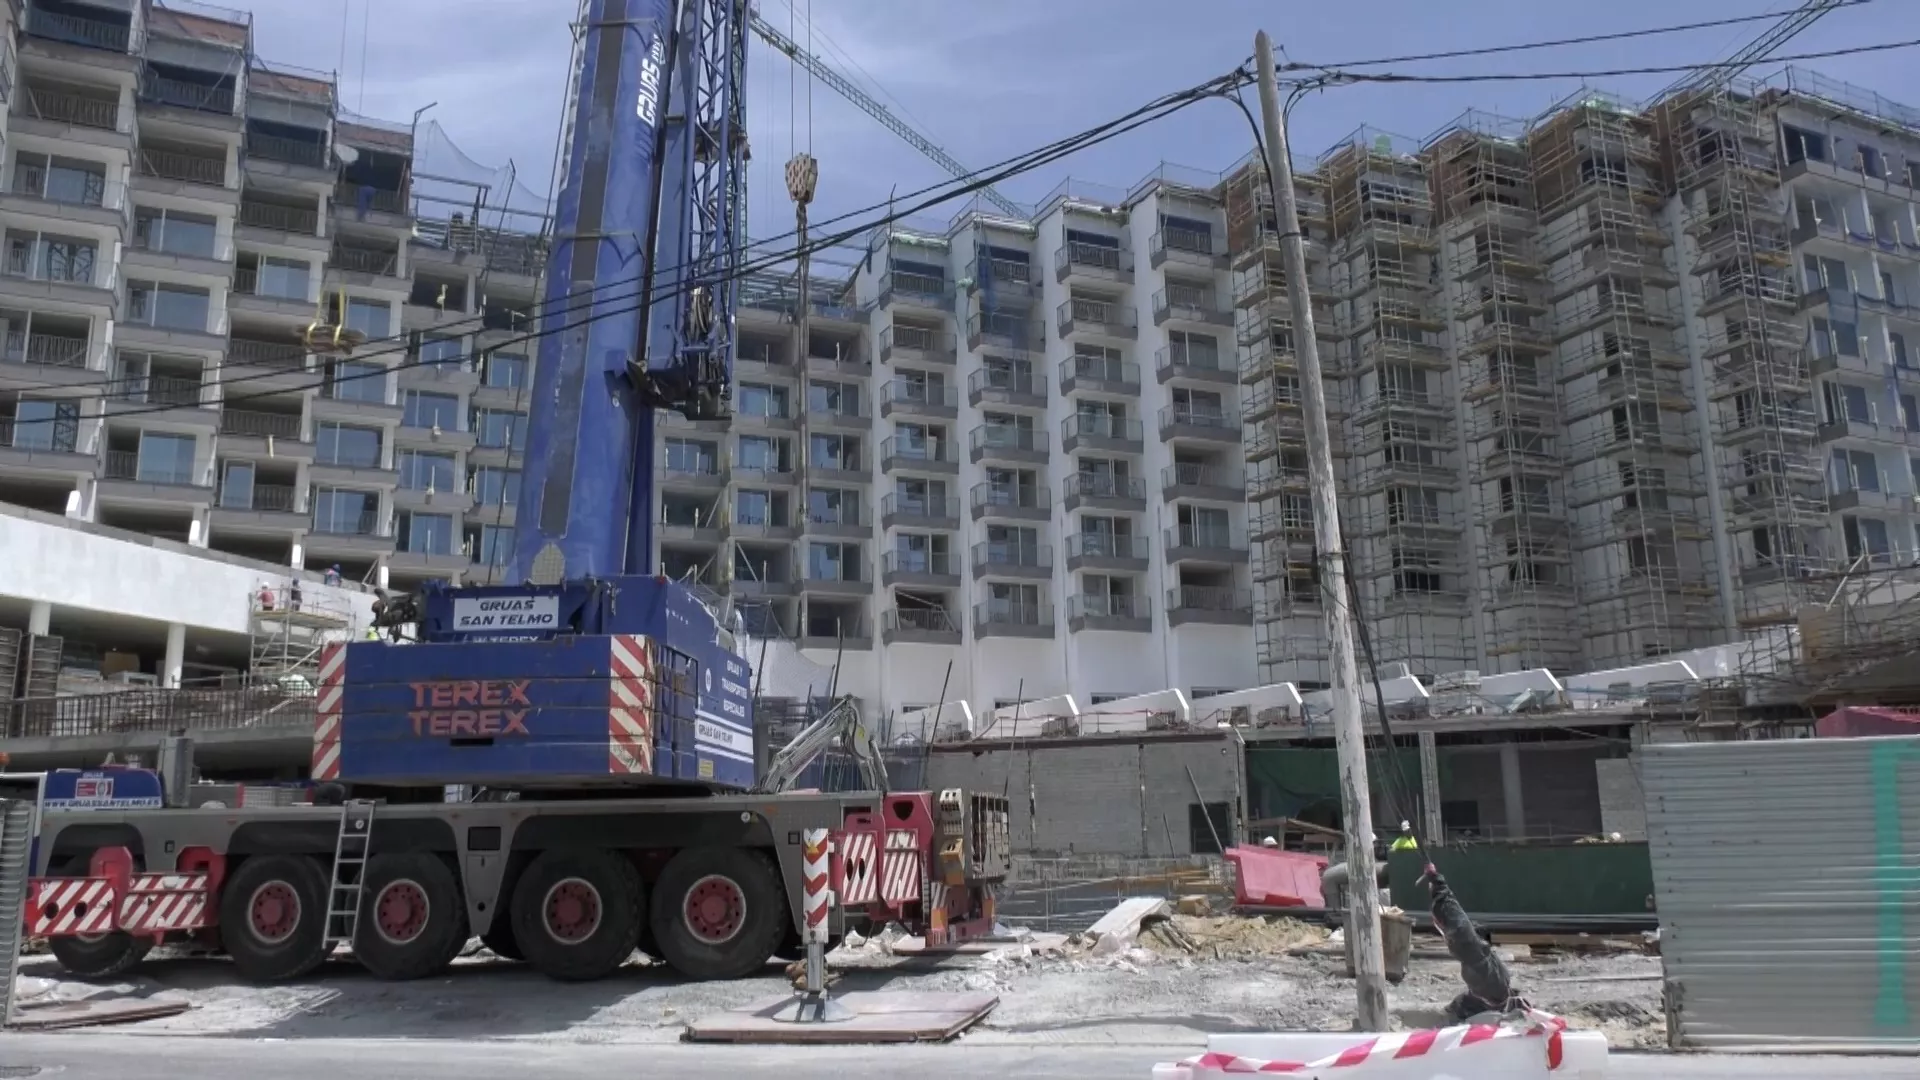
pixel 1401 510
pixel 289 630
pixel 1509 392
pixel 1720 149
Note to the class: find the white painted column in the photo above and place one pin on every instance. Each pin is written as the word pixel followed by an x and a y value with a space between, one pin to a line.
pixel 1516 806
pixel 40 617
pixel 176 656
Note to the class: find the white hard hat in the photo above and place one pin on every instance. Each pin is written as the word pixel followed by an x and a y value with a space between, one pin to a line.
pixel 1406 826
pixel 1269 842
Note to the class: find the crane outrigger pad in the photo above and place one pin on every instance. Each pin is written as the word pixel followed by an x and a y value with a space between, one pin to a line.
pixel 877 1017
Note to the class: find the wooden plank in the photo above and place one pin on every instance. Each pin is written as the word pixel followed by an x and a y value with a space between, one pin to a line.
pixel 66 1014
pixel 878 1017
pixel 1125 917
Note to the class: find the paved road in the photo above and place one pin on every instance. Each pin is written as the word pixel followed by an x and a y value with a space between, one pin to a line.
pixel 88 1056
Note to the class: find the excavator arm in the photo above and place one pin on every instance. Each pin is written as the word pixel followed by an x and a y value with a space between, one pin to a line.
pixel 840 724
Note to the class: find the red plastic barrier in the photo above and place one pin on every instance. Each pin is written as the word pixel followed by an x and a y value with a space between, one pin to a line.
pixel 1269 877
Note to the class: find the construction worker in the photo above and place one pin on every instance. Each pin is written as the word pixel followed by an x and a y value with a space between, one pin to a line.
pixel 1406 841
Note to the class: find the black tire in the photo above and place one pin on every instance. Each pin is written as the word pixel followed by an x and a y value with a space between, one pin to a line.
pixel 499 939
pixel 754 920
pixel 413 918
pixel 290 892
pixel 606 903
pixel 99 957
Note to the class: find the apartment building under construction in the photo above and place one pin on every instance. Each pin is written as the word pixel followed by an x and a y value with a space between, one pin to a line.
pixel 1612 384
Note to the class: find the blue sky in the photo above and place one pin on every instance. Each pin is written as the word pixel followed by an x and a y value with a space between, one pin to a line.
pixel 988 79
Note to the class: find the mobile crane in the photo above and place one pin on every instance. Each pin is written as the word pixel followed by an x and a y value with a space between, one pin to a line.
pixel 603 709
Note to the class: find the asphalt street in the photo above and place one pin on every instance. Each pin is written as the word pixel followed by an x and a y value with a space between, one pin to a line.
pixel 90 1056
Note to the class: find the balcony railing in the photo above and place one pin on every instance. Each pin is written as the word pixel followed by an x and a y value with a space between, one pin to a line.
pixel 920 508
pixel 78 30
pixel 1078 255
pixel 364 523
pixel 279 498
pixel 128 465
pixel 1210 537
pixel 1194 474
pixel 1208 598
pixel 924 395
pixel 1013 383
pixel 926 620
pixel 932 563
pixel 157 390
pixel 986 494
pixel 1100 426
pixel 1101 486
pixel 183 168
pixel 365 198
pixel 1032 613
pixel 287 219
pixel 366 261
pixel 41 261
pixel 847 516
pixel 46 350
pixel 1099 369
pixel 987 555
pixel 268 354
pixel 1108 606
pixel 59 108
pixel 1189 241
pixel 931 451
pixel 313 155
pixel 39 435
pixel 180 94
pixel 93 190
pixel 1007 437
pixel 1220 417
pixel 260 425
pixel 1106 546
pixel 1100 316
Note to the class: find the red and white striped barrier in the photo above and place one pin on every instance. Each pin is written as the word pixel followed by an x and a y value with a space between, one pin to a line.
pixel 819 895
pixel 62 906
pixel 1538 1047
pixel 326 712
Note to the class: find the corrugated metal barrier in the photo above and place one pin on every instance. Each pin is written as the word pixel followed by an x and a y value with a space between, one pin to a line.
pixel 1787 875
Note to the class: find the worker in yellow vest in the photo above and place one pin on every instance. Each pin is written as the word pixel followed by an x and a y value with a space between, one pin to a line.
pixel 1405 841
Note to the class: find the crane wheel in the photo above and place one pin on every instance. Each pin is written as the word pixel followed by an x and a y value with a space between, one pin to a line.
pixel 273 917
pixel 576 915
pixel 413 919
pixel 719 912
pixel 96 956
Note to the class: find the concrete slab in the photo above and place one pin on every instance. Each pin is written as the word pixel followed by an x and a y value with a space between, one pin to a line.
pixel 878 1017
pixel 917 946
pixel 66 1014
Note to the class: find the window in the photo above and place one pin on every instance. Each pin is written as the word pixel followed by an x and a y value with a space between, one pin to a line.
pixel 1856 470
pixel 50 258
pixel 352 447
pixel 440 352
pixel 421 471
pixel 1012 545
pixel 236 485
pixel 347 513
pixel 166 459
pixel 832 506
pixel 506 371
pixel 425 534
pixel 833 562
pixel 688 456
pixel 753 508
pixel 424 410
pixel 766 402
pixel 282 279
pixel 833 398
pixel 496 487
pixel 373 318
pixel 46 425
pixel 62 180
pixel 498 428
pixel 1193 350
pixel 762 453
pixel 356 380
pixel 490 545
pixel 176 232
pixel 168 307
pixel 1209 825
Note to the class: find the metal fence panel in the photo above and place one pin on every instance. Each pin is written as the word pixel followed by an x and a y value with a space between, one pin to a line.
pixel 16 845
pixel 1787 875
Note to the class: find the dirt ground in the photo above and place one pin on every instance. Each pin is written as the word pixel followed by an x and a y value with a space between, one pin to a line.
pixel 1216 974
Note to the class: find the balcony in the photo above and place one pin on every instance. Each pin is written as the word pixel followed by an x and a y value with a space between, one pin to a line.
pixel 1190 306
pixel 1120 552
pixel 57 271
pixel 195 98
pixel 837 358
pixel 364 202
pixel 356 533
pixel 927 456
pixel 1196 248
pixel 1101 491
pixel 248 432
pixel 79 30
pixel 1195 365
pixel 1102 433
pixel 95 200
pixel 847 523
pixel 173 167
pixel 33 449
pixel 153 393
pixel 1099 375
pixel 1016 620
pixel 919 626
pixel 1214 605
pixel 307 159
pixel 58 113
pixel 1206 544
pixel 370 262
pixel 900 342
pixel 763 528
pixel 1025 562
pixel 933 401
pixel 1006 333
pixel 1192 480
pixel 849 413
pixel 844 467
pixel 1117 612
pixel 1010 503
pixel 1001 280
pixel 706 476
pixel 999 386
pixel 1219 425
pixel 1077 260
pixel 1085 317
pixel 129 474
pixel 46 351
pixel 295 223
pixel 927 292
pixel 921 569
pixel 258 508
pixel 900 511
pixel 1007 443
pixel 842 579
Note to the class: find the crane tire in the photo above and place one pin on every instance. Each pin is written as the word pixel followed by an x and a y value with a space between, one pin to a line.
pixel 576 914
pixel 273 917
pixel 499 940
pixel 96 955
pixel 413 918
pixel 719 912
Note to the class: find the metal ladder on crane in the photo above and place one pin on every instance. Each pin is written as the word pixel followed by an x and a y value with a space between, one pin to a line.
pixel 350 848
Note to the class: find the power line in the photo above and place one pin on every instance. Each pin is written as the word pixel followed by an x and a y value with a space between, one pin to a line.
pixel 1589 39
pixel 1339 77
pixel 1156 110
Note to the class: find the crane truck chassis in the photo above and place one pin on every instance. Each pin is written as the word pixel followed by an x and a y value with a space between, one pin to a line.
pixel 712 884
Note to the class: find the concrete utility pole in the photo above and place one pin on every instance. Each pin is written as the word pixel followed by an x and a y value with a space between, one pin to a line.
pixel 1356 811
